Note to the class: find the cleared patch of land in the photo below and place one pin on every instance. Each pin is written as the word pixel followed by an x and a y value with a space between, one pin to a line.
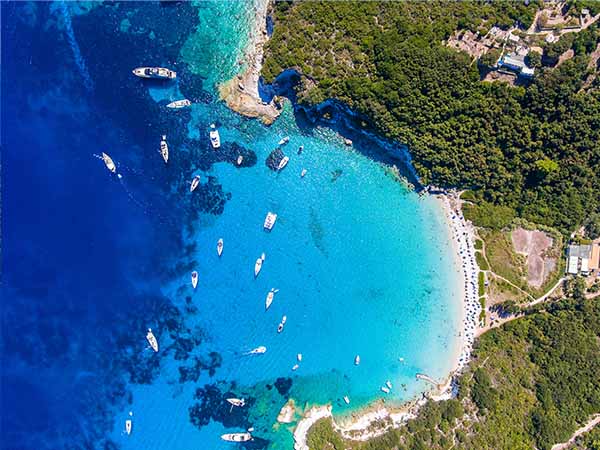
pixel 534 245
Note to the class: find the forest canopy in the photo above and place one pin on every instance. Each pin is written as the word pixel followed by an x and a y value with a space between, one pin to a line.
pixel 533 149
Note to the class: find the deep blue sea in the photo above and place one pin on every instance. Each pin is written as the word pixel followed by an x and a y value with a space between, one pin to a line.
pixel 90 260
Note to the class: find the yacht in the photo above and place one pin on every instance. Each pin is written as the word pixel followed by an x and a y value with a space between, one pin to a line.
pixel 270 221
pixel 346 399
pixel 155 72
pixel 385 389
pixel 303 173
pixel 257 266
pixel 240 159
pixel 110 165
pixel 236 437
pixel 128 426
pixel 283 162
pixel 215 139
pixel 356 360
pixel 195 183
pixel 388 383
pixel 220 247
pixel 270 296
pixel 257 351
pixel 152 340
pixel 284 141
pixel 194 279
pixel 177 104
pixel 164 148
pixel 237 401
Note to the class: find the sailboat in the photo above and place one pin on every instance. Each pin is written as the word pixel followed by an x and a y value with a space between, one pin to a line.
pixel 164 148
pixel 283 162
pixel 194 279
pixel 220 247
pixel 177 104
pixel 152 340
pixel 270 296
pixel 110 165
pixel 257 266
pixel 195 183
pixel 237 401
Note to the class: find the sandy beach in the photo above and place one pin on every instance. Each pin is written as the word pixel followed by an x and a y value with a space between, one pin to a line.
pixel 241 92
pixel 377 418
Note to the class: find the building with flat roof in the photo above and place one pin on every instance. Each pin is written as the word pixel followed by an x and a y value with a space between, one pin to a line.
pixel 517 64
pixel 578 259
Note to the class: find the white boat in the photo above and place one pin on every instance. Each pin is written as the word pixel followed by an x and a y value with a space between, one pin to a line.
pixel 263 256
pixel 385 389
pixel 257 351
pixel 270 221
pixel 110 165
pixel 284 141
pixel 284 320
pixel 303 173
pixel 283 162
pixel 281 324
pixel 194 279
pixel 299 357
pixel 164 148
pixel 270 296
pixel 237 401
pixel 257 266
pixel 295 367
pixel 346 399
pixel 155 72
pixel 195 183
pixel 388 383
pixel 236 437
pixel 356 360
pixel 128 426
pixel 177 104
pixel 152 340
pixel 240 159
pixel 215 139
pixel 220 247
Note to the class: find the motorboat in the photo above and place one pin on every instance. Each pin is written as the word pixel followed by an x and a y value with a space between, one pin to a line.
pixel 385 389
pixel 356 360
pixel 257 351
pixel 295 367
pixel 270 221
pixel 240 159
pixel 215 139
pixel 303 173
pixel 257 266
pixel 237 401
pixel 195 183
pixel 128 426
pixel 236 437
pixel 220 247
pixel 281 324
pixel 110 165
pixel 164 148
pixel 155 72
pixel 194 279
pixel 299 357
pixel 346 399
pixel 283 162
pixel 388 383
pixel 263 256
pixel 284 141
pixel 270 296
pixel 152 340
pixel 177 104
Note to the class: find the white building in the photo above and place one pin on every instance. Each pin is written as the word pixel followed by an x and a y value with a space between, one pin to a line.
pixel 578 259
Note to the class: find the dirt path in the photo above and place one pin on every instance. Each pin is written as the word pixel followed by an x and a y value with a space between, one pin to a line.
pixel 595 420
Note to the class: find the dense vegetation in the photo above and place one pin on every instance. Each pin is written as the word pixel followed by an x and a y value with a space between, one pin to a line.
pixel 529 151
pixel 531 384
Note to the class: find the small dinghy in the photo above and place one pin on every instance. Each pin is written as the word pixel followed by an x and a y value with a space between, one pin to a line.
pixel 195 183
pixel 220 247
pixel 356 360
pixel 177 104
pixel 152 340
pixel 194 279
pixel 388 383
pixel 281 324
pixel 284 141
pixel 263 256
pixel 300 149
pixel 283 162
pixel 295 367
pixel 110 165
pixel 303 173
pixel 239 402
pixel 346 399
pixel 270 221
pixel 236 437
pixel 128 426
pixel 257 351
pixel 385 389
pixel 240 159
pixel 164 148
pixel 270 296
pixel 257 266
pixel 299 357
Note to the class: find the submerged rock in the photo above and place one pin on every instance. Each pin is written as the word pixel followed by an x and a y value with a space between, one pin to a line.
pixel 286 415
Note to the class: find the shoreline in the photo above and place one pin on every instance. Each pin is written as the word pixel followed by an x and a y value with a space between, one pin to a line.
pixel 241 92
pixel 360 426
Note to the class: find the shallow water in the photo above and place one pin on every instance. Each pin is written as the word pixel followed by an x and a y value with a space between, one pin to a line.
pixel 363 266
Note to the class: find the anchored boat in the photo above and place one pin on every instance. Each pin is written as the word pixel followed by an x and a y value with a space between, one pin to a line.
pixel 281 324
pixel 110 165
pixel 194 279
pixel 237 401
pixel 215 138
pixel 356 360
pixel 177 104
pixel 220 247
pixel 257 351
pixel 283 162
pixel 257 266
pixel 284 141
pixel 164 148
pixel 128 426
pixel 270 296
pixel 195 183
pixel 270 221
pixel 236 437
pixel 152 340
pixel 303 173
pixel 155 72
